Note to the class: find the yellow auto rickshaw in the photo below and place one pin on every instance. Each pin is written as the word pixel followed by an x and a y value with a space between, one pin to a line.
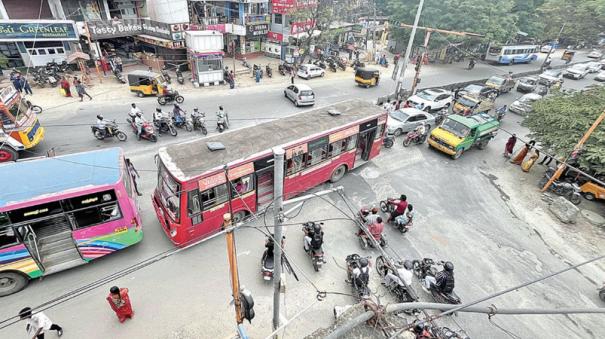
pixel 592 191
pixel 367 76
pixel 145 83
pixel 568 55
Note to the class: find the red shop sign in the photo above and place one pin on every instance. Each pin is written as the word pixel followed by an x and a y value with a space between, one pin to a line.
pixel 275 36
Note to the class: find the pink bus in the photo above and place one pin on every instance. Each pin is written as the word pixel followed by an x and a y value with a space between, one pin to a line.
pixel 61 212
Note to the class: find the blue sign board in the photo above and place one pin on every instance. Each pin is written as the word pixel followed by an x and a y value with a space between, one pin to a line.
pixel 32 30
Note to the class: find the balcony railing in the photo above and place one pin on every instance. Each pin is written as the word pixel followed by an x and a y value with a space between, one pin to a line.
pixel 215 20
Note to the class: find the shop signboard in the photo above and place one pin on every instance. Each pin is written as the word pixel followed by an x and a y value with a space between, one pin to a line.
pixel 253 31
pixel 39 30
pixel 275 36
pixel 301 26
pixel 114 28
pixel 157 29
pixel 286 6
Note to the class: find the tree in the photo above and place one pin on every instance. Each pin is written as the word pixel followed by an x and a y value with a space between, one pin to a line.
pixel 583 19
pixel 317 17
pixel 559 121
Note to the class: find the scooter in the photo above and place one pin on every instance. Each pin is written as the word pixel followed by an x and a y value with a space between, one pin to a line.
pixel 500 112
pixel 269 71
pixel 199 122
pixel 148 130
pixel 569 190
pixel 404 294
pixel 389 140
pixel 121 78
pixel 171 97
pixel 183 121
pixel 111 130
pixel 165 125
pixel 426 267
pixel 165 74
pixel 360 291
pixel 364 241
pixel 245 63
pixel 414 137
pixel 316 254
pixel 222 122
pixel 179 77
pixel 268 260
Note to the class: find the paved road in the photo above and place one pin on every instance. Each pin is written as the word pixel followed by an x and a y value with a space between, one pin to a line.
pixel 463 215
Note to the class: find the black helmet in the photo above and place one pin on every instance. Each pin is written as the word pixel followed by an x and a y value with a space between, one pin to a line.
pixel 363 262
pixel 403 197
pixel 419 326
pixel 133 105
pixel 317 227
pixel 449 266
pixel 195 109
pixel 176 105
pixel 158 109
pixel 99 116
pixel 220 107
pixel 408 265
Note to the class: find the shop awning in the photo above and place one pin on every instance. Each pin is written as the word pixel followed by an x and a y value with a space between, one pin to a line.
pixel 160 41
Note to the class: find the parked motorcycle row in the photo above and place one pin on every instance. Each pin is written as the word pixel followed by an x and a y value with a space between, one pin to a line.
pixel 50 74
pixel 162 123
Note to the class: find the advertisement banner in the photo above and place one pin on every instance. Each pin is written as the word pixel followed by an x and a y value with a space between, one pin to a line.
pixel 256 30
pixel 301 26
pixel 114 28
pixel 275 36
pixel 282 6
pixel 40 30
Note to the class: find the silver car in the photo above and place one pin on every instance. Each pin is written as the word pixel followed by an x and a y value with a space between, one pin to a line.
pixel 300 95
pixel 407 119
pixel 523 105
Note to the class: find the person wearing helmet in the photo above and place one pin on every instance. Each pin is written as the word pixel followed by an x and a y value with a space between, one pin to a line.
pixel 404 271
pixel 420 330
pixel 421 130
pixel 443 281
pixel 360 274
pixel 102 125
pixel 314 236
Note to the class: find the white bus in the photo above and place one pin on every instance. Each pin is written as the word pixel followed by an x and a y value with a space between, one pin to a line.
pixel 511 54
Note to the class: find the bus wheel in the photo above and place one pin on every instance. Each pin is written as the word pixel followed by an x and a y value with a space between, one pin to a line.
pixel 8 154
pixel 239 216
pixel 338 173
pixel 11 282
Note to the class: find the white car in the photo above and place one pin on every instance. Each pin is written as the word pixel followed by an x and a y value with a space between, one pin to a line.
pixel 308 71
pixel 432 99
pixel 593 66
pixel 594 54
pixel 300 94
pixel 522 106
pixel 576 72
pixel 546 49
pixel 407 119
pixel 600 76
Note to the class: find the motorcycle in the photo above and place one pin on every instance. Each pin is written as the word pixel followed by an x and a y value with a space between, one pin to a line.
pixel 385 265
pixel 119 76
pixel 317 255
pixel 388 206
pixel 426 267
pixel 39 79
pixel 245 63
pixel 200 123
pixel 165 125
pixel 256 67
pixel 148 131
pixel 357 64
pixel 385 64
pixel 414 137
pixel 269 71
pixel 320 63
pixel 183 121
pixel 165 74
pixel 364 241
pixel 389 140
pixel 222 122
pixel 500 112
pixel 179 77
pixel 267 261
pixel 285 68
pixel 331 64
pixel 569 190
pixel 342 64
pixel 171 97
pixel 440 116
pixel 360 291
pixel 471 65
pixel 111 130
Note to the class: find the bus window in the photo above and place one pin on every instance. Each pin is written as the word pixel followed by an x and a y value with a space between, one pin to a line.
pixel 379 131
pixel 352 142
pixel 94 209
pixel 194 208
pixel 295 164
pixel 317 155
pixel 18 110
pixel 337 147
pixel 241 186
pixel 169 191
pixel 213 196
pixel 8 237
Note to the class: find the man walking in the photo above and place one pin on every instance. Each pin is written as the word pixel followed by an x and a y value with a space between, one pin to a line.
pixel 16 80
pixel 25 85
pixel 257 75
pixel 82 91
pixel 37 323
pixel 292 75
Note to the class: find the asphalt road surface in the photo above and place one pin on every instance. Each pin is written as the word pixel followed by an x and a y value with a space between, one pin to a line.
pixel 464 214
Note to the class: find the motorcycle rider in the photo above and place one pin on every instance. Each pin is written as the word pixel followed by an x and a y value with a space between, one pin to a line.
pixel 404 270
pixel 400 206
pixel 134 110
pixel 178 113
pixel 221 117
pixel 421 130
pixel 102 125
pixel 471 63
pixel 371 218
pixel 406 217
pixel 313 237
pixel 442 281
pixel 360 275
pixel 139 121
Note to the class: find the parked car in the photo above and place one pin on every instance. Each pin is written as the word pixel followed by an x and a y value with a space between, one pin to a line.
pixel 576 72
pixel 502 84
pixel 300 95
pixel 600 76
pixel 546 49
pixel 476 90
pixel 527 84
pixel 407 119
pixel 550 77
pixel 522 106
pixel 593 66
pixel 308 71
pixel 433 99
pixel 602 62
pixel 594 54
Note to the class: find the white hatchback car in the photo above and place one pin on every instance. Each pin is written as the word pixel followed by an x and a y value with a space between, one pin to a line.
pixel 300 95
pixel 432 99
pixel 308 71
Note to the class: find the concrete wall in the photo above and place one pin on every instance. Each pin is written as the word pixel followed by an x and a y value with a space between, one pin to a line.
pixel 168 11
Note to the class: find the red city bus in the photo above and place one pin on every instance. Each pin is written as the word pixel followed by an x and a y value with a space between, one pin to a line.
pixel 197 186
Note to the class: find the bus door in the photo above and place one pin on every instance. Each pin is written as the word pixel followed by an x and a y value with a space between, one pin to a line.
pixel 29 239
pixel 367 132
pixel 263 171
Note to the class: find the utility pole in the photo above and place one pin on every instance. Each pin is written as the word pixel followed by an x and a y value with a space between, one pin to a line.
pixel 91 49
pixel 419 62
pixel 403 63
pixel 575 151
pixel 553 47
pixel 374 24
pixel 278 193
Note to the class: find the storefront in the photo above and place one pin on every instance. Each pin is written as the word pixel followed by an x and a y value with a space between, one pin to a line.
pixel 38 41
pixel 205 56
pixel 255 37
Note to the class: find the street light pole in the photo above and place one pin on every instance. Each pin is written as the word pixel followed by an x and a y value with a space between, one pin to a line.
pixel 404 63
pixel 278 193
pixel 419 62
pixel 552 47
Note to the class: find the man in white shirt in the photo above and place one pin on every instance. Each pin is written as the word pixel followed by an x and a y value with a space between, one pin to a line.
pixel 134 110
pixel 405 272
pixel 37 323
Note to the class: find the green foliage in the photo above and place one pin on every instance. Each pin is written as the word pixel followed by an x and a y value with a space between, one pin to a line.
pixel 559 121
pixel 583 19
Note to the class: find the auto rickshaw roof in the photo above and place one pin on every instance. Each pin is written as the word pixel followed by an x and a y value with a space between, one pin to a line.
pixel 366 70
pixel 144 74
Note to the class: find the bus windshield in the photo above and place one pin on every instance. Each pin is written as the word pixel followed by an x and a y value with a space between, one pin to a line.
pixel 169 193
pixel 455 128
pixel 495 50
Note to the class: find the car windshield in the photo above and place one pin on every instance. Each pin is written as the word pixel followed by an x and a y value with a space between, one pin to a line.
pixel 473 88
pixel 528 81
pixel 467 102
pixel 303 68
pixel 455 128
pixel 526 99
pixel 496 80
pixel 399 115
pixel 579 67
pixel 552 73
pixel 426 95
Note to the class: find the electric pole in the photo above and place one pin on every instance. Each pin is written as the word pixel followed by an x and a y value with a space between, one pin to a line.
pixel 427 36
pixel 553 47
pixel 278 194
pixel 575 152
pixel 403 63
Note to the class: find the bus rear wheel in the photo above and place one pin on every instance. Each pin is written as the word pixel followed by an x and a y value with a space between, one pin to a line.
pixel 11 282
pixel 8 154
pixel 338 173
